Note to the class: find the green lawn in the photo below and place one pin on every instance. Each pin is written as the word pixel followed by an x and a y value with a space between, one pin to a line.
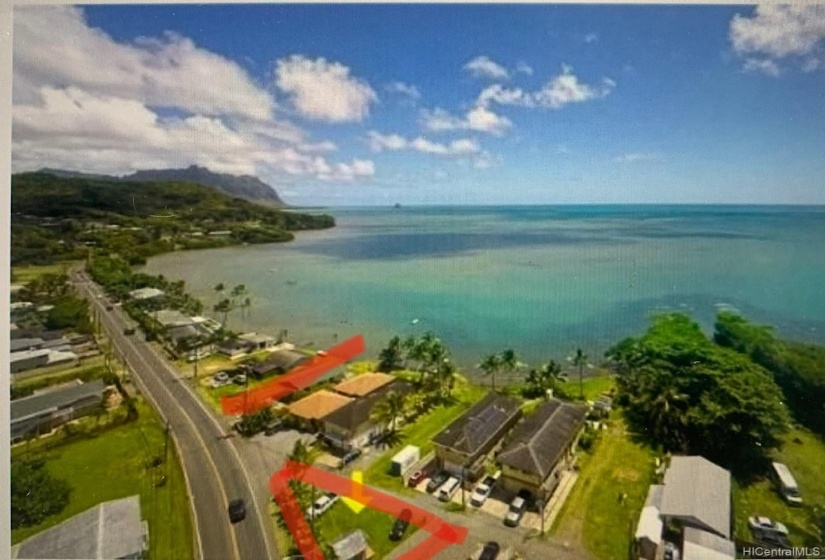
pixel 111 465
pixel 593 518
pixel 592 387
pixel 804 454
pixel 340 520
pixel 53 375
pixel 421 433
pixel 25 274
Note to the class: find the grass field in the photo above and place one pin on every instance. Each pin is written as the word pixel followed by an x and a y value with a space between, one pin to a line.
pixel 804 453
pixel 42 377
pixel 340 520
pixel 594 518
pixel 111 465
pixel 420 433
pixel 25 274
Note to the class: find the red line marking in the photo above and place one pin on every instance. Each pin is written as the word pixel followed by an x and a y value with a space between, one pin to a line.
pixel 442 533
pixel 301 376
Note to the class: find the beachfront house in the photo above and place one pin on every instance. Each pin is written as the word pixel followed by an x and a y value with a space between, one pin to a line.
pixel 462 447
pixel 351 427
pixel 111 529
pixel 280 361
pixel 234 348
pixel 541 448
pixel 309 411
pixel 44 411
pixel 169 318
pixel 364 384
pixel 694 498
pixel 147 295
pixel 258 341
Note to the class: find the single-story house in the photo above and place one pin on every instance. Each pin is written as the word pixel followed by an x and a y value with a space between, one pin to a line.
pixel 541 448
pixel 207 323
pixel 350 427
pixel 280 361
pixel 14 288
pixel 28 359
pixel 45 411
pixel 221 233
pixel 697 494
pixel 168 318
pixel 364 384
pixel 20 306
pixel 311 409
pixel 258 341
pixel 234 347
pixel 109 530
pixel 461 447
pixel 352 546
pixel 701 545
pixel 649 530
pixel 146 294
pixel 182 334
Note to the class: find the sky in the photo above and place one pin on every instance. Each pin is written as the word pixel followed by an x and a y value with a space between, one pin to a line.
pixel 434 104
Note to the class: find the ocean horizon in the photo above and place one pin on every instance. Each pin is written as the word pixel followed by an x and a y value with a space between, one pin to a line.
pixel 541 279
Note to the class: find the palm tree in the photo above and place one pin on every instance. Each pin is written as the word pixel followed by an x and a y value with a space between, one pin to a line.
pixel 388 410
pixel 509 361
pixel 548 376
pixel 580 360
pixel 444 376
pixel 390 358
pixel 223 306
pixel 490 366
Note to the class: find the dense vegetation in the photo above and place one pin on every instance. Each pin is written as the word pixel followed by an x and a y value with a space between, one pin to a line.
pixel 687 394
pixel 62 218
pixel 68 311
pixel 35 493
pixel 799 369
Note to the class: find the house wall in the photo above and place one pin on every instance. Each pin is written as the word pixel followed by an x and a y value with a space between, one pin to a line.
pixel 474 464
pixel 514 480
pixel 359 438
pixel 28 363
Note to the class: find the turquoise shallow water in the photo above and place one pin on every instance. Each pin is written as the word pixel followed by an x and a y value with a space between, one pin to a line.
pixel 542 280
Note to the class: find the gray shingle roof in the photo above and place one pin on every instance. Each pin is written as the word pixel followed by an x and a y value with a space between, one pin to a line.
pixel 108 530
pixel 696 489
pixel 282 359
pixel 358 411
pixel 539 441
pixel 38 404
pixel 350 545
pixel 473 431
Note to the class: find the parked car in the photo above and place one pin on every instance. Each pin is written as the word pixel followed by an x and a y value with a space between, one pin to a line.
pixel 400 525
pixel 671 551
pixel 416 478
pixel 448 489
pixel 490 551
pixel 350 457
pixel 273 428
pixel 321 505
pixel 765 526
pixel 128 331
pixel 516 511
pixel 239 379
pixel 786 483
pixel 436 481
pixel 237 510
pixel 222 377
pixel 482 491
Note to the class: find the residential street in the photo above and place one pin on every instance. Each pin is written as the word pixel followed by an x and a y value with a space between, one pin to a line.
pixel 213 468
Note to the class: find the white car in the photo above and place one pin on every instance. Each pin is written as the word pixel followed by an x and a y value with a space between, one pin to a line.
pixel 765 526
pixel 219 380
pixel 321 505
pixel 514 514
pixel 482 491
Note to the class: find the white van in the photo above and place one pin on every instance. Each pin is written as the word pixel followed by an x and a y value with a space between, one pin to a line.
pixel 786 484
pixel 448 489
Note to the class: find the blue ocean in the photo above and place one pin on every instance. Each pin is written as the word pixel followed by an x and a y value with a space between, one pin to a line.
pixel 542 280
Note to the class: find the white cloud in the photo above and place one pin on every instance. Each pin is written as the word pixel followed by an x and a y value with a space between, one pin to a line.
pixel 762 66
pixel 323 90
pixel 591 38
pixel 408 91
pixel 524 68
pixel 85 101
pixel 479 119
pixel 393 142
pixel 637 157
pixel 778 31
pixel 811 64
pixel 54 45
pixel 484 67
pixel 563 89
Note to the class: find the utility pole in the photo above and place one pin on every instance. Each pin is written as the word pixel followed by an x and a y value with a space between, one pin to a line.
pixel 543 503
pixel 463 479
pixel 166 445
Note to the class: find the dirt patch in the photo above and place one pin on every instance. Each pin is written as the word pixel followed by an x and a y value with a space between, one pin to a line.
pixel 626 475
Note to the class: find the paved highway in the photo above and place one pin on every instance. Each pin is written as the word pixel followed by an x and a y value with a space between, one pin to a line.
pixel 213 469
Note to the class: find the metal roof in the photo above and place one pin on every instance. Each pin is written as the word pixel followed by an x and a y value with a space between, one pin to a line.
pixel 698 491
pixel 34 405
pixel 701 545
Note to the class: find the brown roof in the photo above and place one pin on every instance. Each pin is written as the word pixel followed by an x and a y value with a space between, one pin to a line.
pixel 318 404
pixel 357 412
pixel 363 384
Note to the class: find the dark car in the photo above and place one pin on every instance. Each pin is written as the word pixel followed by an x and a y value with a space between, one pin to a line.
pixel 237 510
pixel 416 478
pixel 128 331
pixel 350 457
pixel 436 481
pixel 490 552
pixel 400 525
pixel 273 428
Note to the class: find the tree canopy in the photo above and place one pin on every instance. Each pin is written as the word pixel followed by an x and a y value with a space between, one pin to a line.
pixel 688 394
pixel 35 493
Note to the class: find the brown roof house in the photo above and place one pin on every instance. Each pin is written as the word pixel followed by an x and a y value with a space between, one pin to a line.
pixel 462 447
pixel 350 427
pixel 541 448
pixel 364 384
pixel 311 409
